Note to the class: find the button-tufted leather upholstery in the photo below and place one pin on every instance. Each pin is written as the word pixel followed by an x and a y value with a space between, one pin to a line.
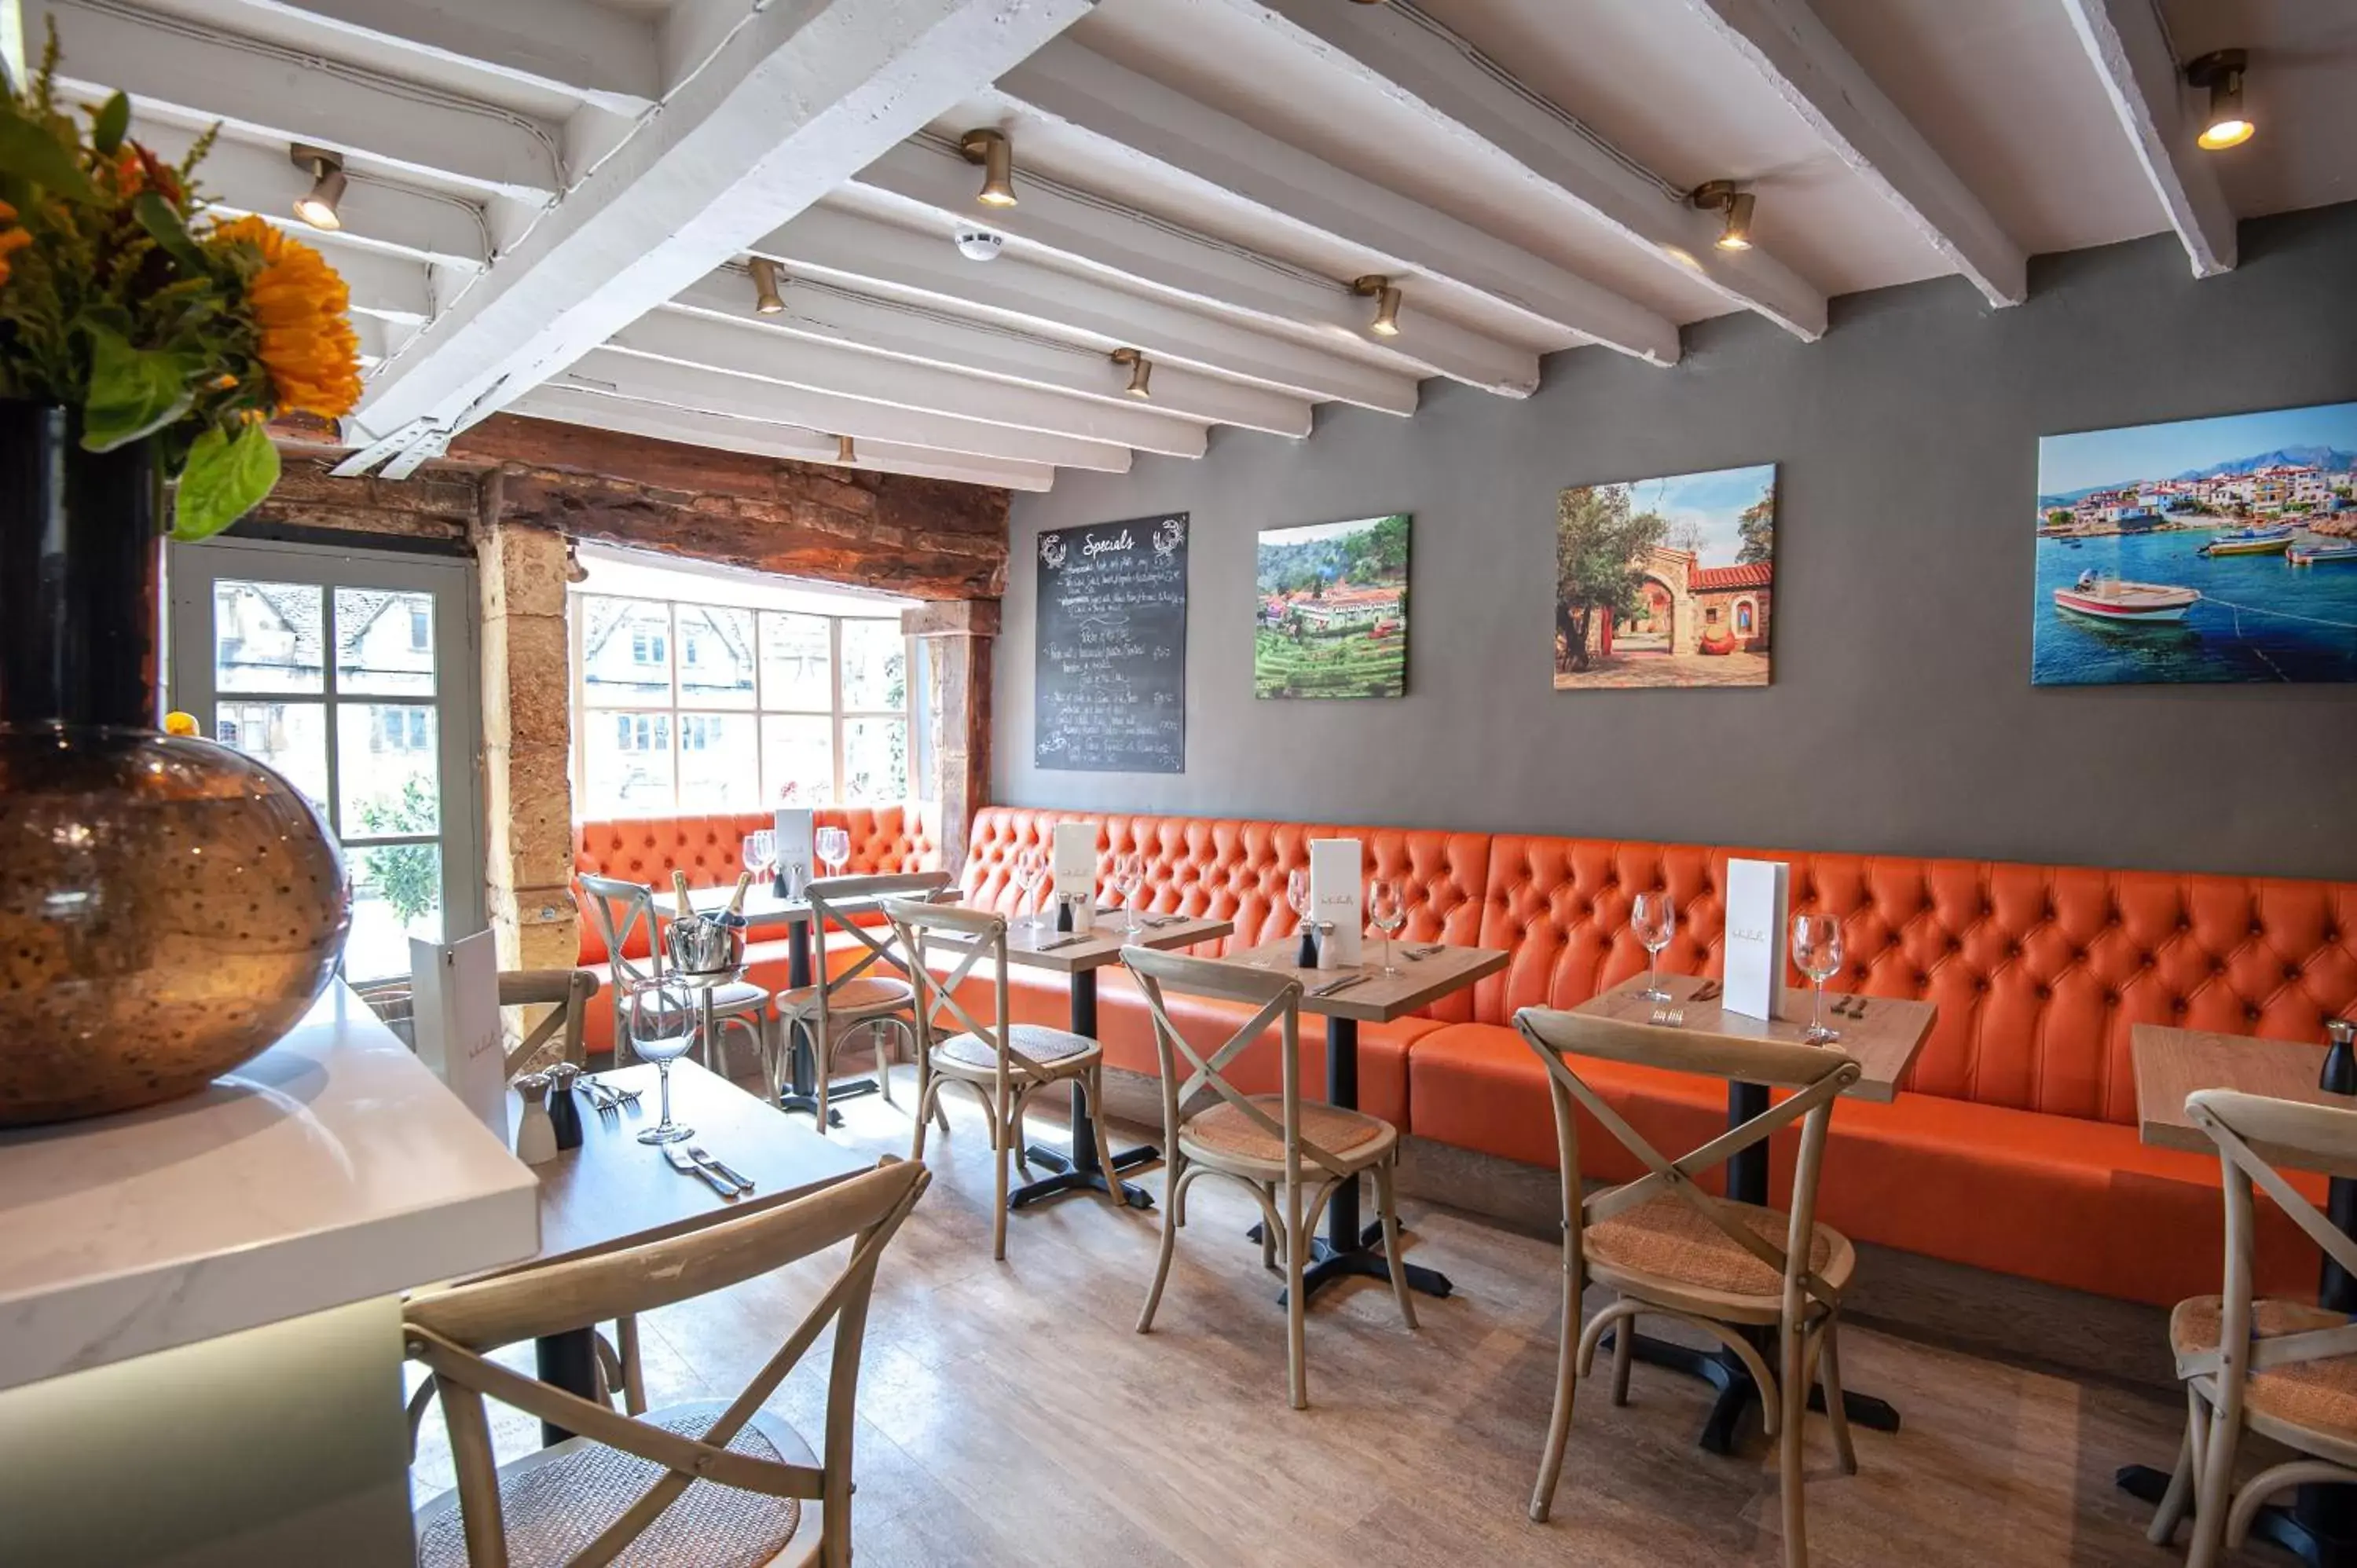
pixel 2015 1146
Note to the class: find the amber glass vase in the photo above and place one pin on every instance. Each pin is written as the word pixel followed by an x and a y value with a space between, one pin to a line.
pixel 168 907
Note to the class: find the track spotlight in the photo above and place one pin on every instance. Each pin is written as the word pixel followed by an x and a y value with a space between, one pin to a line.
pixel 766 298
pixel 1141 371
pixel 1379 288
pixel 2226 124
pixel 317 207
pixel 995 153
pixel 843 451
pixel 1721 196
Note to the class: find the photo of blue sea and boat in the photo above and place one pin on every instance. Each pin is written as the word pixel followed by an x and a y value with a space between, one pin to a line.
pixel 2204 550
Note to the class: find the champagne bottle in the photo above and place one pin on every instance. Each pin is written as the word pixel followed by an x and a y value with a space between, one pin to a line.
pixel 737 899
pixel 679 889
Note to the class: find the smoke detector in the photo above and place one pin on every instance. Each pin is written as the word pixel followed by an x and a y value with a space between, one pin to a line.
pixel 979 244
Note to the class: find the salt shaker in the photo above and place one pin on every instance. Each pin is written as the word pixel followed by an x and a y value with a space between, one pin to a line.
pixel 1329 951
pixel 563 1109
pixel 536 1136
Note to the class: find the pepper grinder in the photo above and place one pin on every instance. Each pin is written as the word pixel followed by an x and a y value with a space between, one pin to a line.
pixel 1307 956
pixel 536 1136
pixel 1065 913
pixel 563 1109
pixel 2340 1058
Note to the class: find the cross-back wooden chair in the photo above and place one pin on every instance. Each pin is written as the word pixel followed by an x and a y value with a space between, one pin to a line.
pixel 1004 1063
pixel 567 993
pixel 872 993
pixel 689 1484
pixel 1291 1156
pixel 1667 1246
pixel 2286 1370
pixel 621 910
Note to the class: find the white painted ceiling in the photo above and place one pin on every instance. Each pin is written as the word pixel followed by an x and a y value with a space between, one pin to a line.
pixel 1200 178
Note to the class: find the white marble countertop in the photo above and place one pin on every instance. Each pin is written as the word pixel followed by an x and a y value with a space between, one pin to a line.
pixel 333 1167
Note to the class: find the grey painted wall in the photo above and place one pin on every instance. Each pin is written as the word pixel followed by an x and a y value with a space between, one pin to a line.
pixel 1901 718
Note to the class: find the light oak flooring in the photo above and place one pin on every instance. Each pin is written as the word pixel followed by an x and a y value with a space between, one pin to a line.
pixel 1009 1415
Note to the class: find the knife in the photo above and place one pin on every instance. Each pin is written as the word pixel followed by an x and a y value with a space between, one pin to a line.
pixel 1333 986
pixel 711 1161
pixel 686 1167
pixel 1064 941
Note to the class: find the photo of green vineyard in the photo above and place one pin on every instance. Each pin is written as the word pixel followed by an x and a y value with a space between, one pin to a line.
pixel 1333 619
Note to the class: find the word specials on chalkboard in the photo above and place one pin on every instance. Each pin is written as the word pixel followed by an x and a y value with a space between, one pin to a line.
pixel 1110 696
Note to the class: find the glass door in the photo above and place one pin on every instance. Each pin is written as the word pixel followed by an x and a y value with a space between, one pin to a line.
pixel 352 672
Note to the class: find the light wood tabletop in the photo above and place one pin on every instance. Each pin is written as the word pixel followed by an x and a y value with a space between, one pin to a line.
pixel 614 1191
pixel 762 908
pixel 1379 997
pixel 1883 1043
pixel 1042 947
pixel 2172 1063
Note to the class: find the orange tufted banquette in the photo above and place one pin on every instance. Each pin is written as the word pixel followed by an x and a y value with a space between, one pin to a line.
pixel 2014 1145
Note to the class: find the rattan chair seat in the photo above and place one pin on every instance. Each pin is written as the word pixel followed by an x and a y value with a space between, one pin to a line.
pixel 851 998
pixel 1668 1241
pixel 1043 1044
pixel 2319 1395
pixel 557 1501
pixel 1223 1132
pixel 737 997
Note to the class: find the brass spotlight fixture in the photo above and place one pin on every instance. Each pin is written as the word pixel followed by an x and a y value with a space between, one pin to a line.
pixel 995 153
pixel 1380 289
pixel 1722 197
pixel 844 452
pixel 317 206
pixel 2221 71
pixel 766 298
pixel 1141 371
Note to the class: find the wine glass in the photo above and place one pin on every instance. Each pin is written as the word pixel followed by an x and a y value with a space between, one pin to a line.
pixel 1817 949
pixel 1655 921
pixel 1297 893
pixel 1030 872
pixel 1387 907
pixel 760 850
pixel 663 1026
pixel 833 846
pixel 1128 877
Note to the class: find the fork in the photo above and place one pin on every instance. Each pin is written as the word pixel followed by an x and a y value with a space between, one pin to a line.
pixel 712 1162
pixel 623 1093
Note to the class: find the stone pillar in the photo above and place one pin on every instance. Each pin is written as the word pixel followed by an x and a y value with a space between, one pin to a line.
pixel 954 637
pixel 527 743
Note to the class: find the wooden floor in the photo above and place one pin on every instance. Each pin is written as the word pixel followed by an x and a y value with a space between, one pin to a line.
pixel 1009 1415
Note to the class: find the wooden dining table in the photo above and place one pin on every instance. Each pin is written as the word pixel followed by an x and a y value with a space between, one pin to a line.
pixel 2319 1525
pixel 615 1192
pixel 1350 1249
pixel 1883 1043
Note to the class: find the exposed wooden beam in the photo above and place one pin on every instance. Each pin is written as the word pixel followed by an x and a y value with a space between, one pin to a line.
pixel 1284 185
pixel 748 348
pixel 716 391
pixel 1130 248
pixel 926 336
pixel 859 249
pixel 1822 82
pixel 755 438
pixel 1403 54
pixel 606 57
pixel 279 93
pixel 791 104
pixel 2140 77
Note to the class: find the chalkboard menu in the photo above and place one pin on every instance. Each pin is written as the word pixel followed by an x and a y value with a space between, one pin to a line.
pixel 1111 694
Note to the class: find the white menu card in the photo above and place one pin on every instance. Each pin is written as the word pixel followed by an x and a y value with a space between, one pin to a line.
pixel 1334 894
pixel 1756 899
pixel 1074 864
pixel 794 842
pixel 455 1007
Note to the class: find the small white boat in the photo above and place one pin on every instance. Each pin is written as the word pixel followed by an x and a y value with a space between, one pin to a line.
pixel 2250 541
pixel 2322 554
pixel 2108 598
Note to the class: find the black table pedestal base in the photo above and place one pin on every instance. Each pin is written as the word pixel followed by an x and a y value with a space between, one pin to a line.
pixel 1070 1178
pixel 806 1100
pixel 2320 1527
pixel 1725 1371
pixel 567 1361
pixel 1329 1262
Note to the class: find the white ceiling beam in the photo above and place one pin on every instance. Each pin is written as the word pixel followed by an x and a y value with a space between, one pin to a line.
pixel 1821 81
pixel 791 104
pixel 850 246
pixel 278 94
pixel 2139 73
pixel 926 336
pixel 1132 248
pixel 749 349
pixel 1402 54
pixel 716 392
pixel 604 58
pixel 657 422
pixel 397 288
pixel 1287 186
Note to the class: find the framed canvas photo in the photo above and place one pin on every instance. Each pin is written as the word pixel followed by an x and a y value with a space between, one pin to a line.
pixel 1666 582
pixel 1332 620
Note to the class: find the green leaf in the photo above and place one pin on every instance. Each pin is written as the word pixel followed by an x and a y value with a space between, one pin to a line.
pixel 133 392
pixel 29 151
pixel 111 124
pixel 162 222
pixel 225 478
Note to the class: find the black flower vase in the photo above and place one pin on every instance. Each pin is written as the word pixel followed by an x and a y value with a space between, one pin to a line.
pixel 168 907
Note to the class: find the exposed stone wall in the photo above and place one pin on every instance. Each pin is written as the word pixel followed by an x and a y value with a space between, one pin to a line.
pixel 527 746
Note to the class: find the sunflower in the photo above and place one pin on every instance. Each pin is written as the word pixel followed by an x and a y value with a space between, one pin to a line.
pixel 12 238
pixel 307 346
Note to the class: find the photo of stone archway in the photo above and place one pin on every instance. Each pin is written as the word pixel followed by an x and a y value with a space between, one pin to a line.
pixel 1666 582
